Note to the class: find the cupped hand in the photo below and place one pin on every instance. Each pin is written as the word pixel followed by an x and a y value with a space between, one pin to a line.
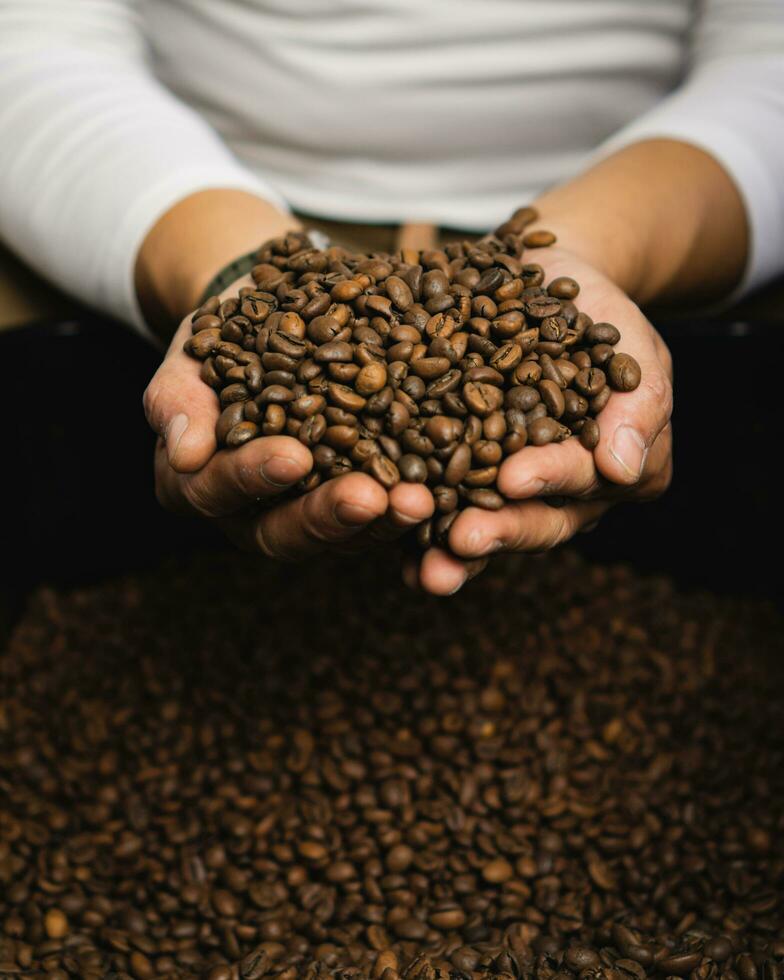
pixel 633 459
pixel 238 487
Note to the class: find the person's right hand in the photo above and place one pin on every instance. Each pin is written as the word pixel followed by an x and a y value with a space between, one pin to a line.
pixel 193 476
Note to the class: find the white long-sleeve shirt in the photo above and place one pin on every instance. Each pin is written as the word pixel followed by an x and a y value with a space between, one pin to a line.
pixel 444 111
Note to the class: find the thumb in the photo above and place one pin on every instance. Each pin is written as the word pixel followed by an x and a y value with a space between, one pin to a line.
pixel 631 421
pixel 181 408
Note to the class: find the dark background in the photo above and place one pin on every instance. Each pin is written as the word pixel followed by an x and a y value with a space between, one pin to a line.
pixel 77 495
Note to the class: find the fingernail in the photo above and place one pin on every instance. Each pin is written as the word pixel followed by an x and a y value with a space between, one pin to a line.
pixel 175 430
pixel 459 585
pixel 629 448
pixel 348 514
pixel 280 471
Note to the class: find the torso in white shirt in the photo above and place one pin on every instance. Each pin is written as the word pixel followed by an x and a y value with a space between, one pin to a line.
pixel 450 111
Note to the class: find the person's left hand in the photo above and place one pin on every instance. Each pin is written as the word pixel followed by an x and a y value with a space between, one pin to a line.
pixel 632 461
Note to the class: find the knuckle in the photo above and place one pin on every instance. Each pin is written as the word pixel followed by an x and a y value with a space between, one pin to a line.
pixel 658 390
pixel 199 497
pixel 563 528
pixel 314 527
pixel 246 480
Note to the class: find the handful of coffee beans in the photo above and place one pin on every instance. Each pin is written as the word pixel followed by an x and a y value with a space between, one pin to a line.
pixel 428 366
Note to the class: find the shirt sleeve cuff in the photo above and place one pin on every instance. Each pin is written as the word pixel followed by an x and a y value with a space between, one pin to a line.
pixel 118 292
pixel 746 165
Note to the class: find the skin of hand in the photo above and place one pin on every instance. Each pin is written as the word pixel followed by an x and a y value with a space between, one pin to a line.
pixel 237 486
pixel 632 461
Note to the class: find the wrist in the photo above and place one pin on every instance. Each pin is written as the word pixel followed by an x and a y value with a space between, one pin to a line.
pixel 192 242
pixel 662 219
pixel 607 242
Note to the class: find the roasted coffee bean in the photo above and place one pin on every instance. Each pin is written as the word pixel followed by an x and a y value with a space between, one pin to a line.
pixel 371 379
pixel 538 239
pixel 399 292
pixel 575 406
pixel 442 524
pixel 412 468
pixel 230 416
pixel 430 368
pixel 307 405
pixel 202 344
pixel 391 447
pixel 486 452
pixel 522 398
pixel 568 370
pixel 241 433
pixel 445 385
pixel 553 398
pixel 378 404
pixel 342 438
pixel 338 416
pixel 506 358
pixel 563 288
pixel 601 354
pixel 312 430
pixel 458 465
pixel 416 442
pixel 590 381
pixel 597 403
pixel 445 499
pixel 602 333
pixel 334 351
pixel 544 430
pixel 274 420
pixel 550 371
pixel 589 434
pixel 384 470
pixel 623 372
pixel 481 398
pixel 482 477
pixel 528 373
pixel 323 456
pixel 341 396
pixel 485 498
pixel 442 430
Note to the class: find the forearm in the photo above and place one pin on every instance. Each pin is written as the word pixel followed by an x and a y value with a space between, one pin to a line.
pixel 192 242
pixel 661 218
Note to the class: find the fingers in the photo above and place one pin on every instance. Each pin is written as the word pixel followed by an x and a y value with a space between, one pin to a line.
pixel 529 526
pixel 443 574
pixel 409 505
pixel 232 478
pixel 564 468
pixel 658 468
pixel 333 513
pixel 181 408
pixel 632 421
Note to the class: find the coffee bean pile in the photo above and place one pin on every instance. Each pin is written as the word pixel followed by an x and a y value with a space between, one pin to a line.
pixel 429 366
pixel 221 772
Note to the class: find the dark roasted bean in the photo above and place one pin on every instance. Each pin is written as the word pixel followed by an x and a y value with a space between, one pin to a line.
pixel 623 372
pixel 412 468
